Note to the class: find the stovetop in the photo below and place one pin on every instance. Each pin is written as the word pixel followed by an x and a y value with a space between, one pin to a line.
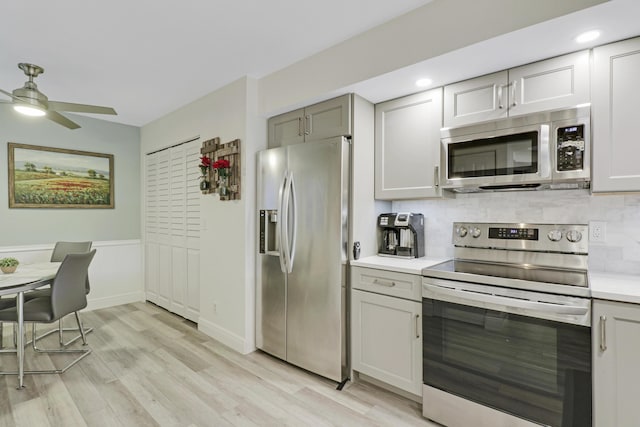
pixel 543 257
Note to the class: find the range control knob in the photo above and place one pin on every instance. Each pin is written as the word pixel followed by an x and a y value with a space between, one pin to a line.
pixel 574 236
pixel 475 232
pixel 461 231
pixel 555 235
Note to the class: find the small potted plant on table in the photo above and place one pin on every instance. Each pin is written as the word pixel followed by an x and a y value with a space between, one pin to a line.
pixel 8 265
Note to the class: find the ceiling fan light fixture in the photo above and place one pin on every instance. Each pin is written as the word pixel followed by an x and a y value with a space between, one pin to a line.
pixel 28 110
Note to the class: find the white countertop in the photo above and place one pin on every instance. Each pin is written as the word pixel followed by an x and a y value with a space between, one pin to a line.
pixel 400 265
pixel 609 286
pixel 615 287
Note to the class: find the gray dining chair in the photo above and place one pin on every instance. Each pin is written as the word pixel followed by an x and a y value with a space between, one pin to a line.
pixel 60 250
pixel 68 295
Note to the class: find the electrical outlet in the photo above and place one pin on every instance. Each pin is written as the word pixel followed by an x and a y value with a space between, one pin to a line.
pixel 597 232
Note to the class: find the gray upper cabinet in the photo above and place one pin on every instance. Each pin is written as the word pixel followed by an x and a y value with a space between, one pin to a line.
pixel 407 146
pixel 614 116
pixel 475 100
pixel 286 129
pixel 551 84
pixel 318 121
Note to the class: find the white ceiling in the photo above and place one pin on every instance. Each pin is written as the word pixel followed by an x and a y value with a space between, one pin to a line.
pixel 146 61
pixel 146 58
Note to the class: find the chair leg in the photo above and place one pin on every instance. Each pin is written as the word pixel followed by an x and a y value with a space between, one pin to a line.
pixel 82 354
pixel 62 329
pixel 60 337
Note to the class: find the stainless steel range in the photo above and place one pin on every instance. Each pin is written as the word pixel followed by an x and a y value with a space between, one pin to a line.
pixel 507 328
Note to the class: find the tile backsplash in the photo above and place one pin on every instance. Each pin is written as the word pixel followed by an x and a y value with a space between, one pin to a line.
pixel 620 253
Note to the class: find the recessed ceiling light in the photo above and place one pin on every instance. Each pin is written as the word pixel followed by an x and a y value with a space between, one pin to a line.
pixel 588 36
pixel 29 111
pixel 423 82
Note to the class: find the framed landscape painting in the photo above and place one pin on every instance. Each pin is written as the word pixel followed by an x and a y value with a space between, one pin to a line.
pixel 46 177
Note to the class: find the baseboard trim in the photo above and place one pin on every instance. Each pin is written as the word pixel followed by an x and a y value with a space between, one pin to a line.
pixel 111 301
pixel 228 338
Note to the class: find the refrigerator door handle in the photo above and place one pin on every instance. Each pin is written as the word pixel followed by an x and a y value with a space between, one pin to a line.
pixel 281 225
pixel 292 204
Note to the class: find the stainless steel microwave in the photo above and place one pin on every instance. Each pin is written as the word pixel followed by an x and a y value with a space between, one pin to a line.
pixel 550 150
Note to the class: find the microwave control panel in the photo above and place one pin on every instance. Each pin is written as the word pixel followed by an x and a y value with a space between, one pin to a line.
pixel 570 148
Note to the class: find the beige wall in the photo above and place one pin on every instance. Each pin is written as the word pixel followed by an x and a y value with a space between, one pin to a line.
pixel 227 240
pixel 429 31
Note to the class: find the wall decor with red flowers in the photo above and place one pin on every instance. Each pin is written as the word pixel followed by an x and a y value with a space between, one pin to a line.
pixel 220 167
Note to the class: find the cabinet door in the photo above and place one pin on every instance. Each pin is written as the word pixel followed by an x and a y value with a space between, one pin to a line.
pixel 552 84
pixel 616 367
pixel 328 119
pixel 407 146
pixel 286 129
pixel 615 93
pixel 386 339
pixel 476 100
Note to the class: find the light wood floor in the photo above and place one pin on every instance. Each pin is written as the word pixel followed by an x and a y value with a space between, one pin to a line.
pixel 151 368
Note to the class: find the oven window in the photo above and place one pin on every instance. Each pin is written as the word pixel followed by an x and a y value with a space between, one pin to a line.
pixel 503 155
pixel 535 369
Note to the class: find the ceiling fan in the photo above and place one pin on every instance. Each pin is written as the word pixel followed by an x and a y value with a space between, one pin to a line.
pixel 30 101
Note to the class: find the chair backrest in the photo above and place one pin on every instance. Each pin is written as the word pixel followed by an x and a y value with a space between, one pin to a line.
pixel 68 287
pixel 62 249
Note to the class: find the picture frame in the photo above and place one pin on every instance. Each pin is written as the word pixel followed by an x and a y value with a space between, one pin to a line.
pixel 48 177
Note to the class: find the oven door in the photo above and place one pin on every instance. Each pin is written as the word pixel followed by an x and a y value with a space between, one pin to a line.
pixel 501 349
pixel 507 158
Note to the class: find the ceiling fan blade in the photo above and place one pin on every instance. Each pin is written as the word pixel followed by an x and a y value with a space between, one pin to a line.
pixel 80 108
pixel 10 95
pixel 61 120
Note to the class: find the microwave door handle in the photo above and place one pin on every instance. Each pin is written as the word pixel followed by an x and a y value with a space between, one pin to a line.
pixel 476 299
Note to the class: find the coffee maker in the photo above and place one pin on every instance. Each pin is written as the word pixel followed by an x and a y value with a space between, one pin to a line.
pixel 401 235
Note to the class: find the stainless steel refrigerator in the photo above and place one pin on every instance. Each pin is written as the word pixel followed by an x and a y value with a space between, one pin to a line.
pixel 303 201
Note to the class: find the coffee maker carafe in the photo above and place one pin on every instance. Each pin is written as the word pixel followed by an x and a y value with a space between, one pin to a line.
pixel 401 235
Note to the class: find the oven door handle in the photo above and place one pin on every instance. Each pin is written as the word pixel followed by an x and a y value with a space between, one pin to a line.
pixel 490 301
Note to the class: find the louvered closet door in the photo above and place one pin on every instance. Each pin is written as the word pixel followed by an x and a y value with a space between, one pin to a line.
pixel 193 229
pixel 172 225
pixel 151 227
pixel 177 202
pixel 164 229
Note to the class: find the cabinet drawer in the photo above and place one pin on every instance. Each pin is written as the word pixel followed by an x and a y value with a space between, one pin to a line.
pixel 401 285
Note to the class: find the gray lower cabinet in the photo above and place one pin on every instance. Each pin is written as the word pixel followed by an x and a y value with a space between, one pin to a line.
pixel 386 331
pixel 407 146
pixel 615 91
pixel 616 364
pixel 323 120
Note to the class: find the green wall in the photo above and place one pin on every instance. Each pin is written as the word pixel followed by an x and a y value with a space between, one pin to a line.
pixel 43 226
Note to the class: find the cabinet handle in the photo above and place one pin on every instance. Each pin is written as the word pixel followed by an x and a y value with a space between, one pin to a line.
pixel 299 126
pixel 417 326
pixel 436 176
pixel 500 105
pixel 603 333
pixel 384 283
pixel 307 125
pixel 514 92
